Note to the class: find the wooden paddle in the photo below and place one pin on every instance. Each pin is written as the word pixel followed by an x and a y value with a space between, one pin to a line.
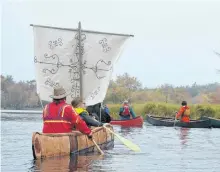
pixel 174 122
pixel 102 153
pixel 125 141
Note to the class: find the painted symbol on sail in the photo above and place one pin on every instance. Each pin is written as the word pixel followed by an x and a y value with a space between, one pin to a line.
pixel 105 47
pixel 55 43
pixel 75 90
pixel 51 83
pixel 83 38
pixel 94 93
pixel 101 67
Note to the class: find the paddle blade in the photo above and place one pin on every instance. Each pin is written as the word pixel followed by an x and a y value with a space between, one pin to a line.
pixel 126 142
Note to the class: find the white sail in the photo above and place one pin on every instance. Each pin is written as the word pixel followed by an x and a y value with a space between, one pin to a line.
pixel 57 62
pixel 101 52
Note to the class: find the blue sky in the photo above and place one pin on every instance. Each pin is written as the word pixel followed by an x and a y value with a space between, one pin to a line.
pixel 174 41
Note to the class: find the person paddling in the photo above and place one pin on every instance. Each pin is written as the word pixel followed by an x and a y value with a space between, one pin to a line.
pixel 126 111
pixel 184 112
pixel 60 117
pixel 80 108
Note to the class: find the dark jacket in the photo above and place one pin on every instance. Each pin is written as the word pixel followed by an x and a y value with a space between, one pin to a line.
pixel 95 109
pixel 90 121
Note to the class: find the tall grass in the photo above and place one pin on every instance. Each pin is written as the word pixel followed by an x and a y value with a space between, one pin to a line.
pixel 168 110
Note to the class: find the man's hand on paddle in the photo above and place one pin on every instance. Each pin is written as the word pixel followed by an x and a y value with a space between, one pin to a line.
pixel 176 118
pixel 90 135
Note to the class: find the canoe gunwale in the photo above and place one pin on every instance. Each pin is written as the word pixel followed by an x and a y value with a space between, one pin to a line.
pixel 207 117
pixel 170 118
pixel 169 122
pixel 134 122
pixel 73 133
pixel 127 119
pixel 215 123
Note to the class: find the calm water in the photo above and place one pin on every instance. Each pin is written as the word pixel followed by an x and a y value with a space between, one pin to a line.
pixel 163 149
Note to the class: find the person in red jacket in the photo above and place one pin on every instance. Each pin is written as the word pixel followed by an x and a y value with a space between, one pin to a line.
pixel 60 117
pixel 126 111
pixel 184 113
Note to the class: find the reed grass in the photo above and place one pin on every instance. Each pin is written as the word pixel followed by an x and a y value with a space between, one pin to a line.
pixel 168 110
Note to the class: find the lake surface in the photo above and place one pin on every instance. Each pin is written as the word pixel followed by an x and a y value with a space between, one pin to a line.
pixel 164 149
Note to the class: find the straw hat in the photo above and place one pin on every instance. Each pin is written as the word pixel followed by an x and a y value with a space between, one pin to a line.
pixel 59 93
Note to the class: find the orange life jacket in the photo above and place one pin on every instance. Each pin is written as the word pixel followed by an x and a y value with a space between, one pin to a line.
pixel 184 114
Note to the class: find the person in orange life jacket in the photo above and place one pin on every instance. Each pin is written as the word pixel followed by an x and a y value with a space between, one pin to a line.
pixel 183 113
pixel 60 117
pixel 80 108
pixel 126 111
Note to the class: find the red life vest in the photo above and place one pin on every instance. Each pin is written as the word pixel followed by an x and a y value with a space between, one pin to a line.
pixel 57 119
pixel 62 118
pixel 126 110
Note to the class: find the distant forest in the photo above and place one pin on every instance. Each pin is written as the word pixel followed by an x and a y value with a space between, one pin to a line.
pixel 22 95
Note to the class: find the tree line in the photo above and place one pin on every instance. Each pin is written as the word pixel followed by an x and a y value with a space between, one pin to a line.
pixel 22 94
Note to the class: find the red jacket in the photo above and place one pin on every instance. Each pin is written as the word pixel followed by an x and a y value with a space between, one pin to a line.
pixel 61 118
pixel 184 113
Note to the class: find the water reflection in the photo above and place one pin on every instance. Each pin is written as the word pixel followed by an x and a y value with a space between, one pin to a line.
pixel 184 132
pixel 125 131
pixel 21 117
pixel 128 130
pixel 65 163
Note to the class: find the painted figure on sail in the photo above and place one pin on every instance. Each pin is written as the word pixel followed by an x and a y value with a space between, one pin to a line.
pixel 80 108
pixel 126 111
pixel 184 112
pixel 60 117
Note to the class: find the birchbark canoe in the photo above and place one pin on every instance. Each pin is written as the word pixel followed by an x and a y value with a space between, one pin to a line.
pixel 138 121
pixel 59 144
pixel 169 122
pixel 215 123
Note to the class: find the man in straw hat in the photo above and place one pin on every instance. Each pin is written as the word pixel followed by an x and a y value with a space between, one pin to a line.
pixel 80 108
pixel 59 117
